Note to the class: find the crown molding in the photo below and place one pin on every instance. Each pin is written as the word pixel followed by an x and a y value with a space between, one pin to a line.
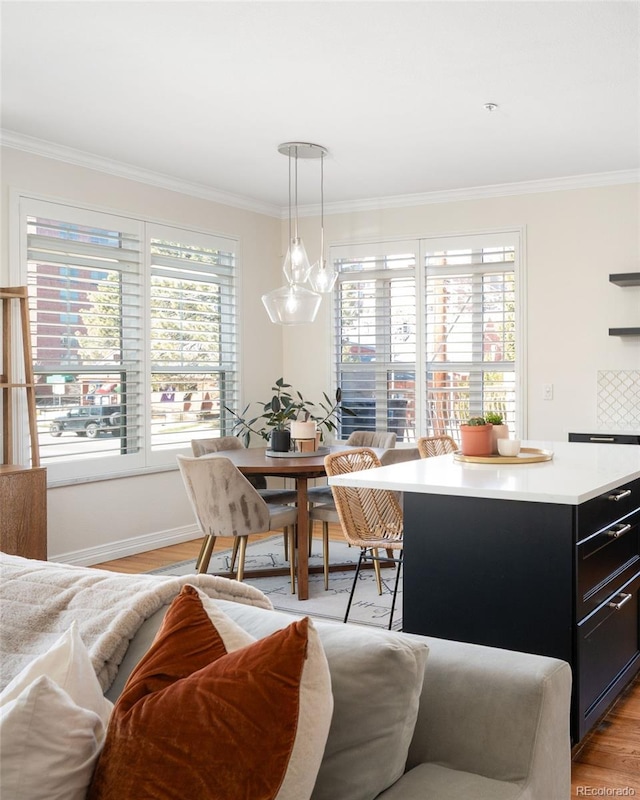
pixel 83 159
pixel 589 181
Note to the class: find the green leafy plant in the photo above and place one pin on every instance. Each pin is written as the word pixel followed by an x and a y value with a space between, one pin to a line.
pixel 475 422
pixel 494 417
pixel 286 405
pixel 331 412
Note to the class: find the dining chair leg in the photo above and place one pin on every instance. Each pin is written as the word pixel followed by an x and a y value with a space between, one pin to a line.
pixel 241 556
pixel 205 553
pixel 292 563
pixel 285 532
pixel 353 585
pixel 310 536
pixel 395 588
pixel 325 553
pixel 376 569
pixel 234 554
pixel 201 553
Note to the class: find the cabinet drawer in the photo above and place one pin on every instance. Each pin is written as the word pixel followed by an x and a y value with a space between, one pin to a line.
pixel 606 560
pixel 608 645
pixel 607 508
pixel 605 438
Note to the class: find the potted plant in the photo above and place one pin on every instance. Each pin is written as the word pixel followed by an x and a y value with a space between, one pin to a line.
pixel 476 437
pixel 271 424
pixel 500 430
pixel 287 405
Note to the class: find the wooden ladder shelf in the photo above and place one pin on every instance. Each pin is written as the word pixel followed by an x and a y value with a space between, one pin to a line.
pixel 10 296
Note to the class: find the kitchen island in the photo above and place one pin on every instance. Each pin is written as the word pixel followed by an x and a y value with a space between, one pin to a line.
pixel 541 557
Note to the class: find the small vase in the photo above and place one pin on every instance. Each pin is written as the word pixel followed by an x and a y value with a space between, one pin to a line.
pixel 476 440
pixel 499 432
pixel 281 441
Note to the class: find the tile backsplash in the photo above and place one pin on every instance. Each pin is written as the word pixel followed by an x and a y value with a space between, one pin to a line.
pixel 618 405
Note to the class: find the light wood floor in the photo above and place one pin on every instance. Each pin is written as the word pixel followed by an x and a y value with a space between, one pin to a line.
pixel 607 759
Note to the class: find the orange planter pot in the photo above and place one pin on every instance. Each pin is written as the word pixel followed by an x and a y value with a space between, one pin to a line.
pixel 476 440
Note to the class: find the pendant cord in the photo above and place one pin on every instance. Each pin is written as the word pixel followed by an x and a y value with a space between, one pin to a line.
pixel 296 188
pixel 289 245
pixel 322 211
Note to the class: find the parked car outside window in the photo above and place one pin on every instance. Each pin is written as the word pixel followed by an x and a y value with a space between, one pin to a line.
pixel 89 421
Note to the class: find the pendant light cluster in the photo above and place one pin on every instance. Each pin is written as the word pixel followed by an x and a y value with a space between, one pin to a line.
pixel 294 303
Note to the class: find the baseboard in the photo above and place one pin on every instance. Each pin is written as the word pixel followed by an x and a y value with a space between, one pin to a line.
pixel 127 547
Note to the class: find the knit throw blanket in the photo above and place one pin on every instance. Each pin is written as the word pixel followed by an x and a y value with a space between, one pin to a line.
pixel 40 599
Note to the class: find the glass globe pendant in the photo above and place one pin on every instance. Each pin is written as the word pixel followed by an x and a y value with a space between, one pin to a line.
pixel 292 304
pixel 322 275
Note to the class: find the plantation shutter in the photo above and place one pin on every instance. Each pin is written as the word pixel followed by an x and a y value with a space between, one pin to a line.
pixel 84 278
pixel 375 336
pixel 470 330
pixel 192 334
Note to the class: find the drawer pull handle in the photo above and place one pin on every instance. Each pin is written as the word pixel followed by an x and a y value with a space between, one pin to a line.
pixel 618 606
pixel 622 528
pixel 602 439
pixel 620 496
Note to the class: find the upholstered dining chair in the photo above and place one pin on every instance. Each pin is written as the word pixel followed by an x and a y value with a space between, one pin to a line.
pixel 226 504
pixel 324 513
pixel 429 446
pixel 371 519
pixel 200 447
pixel 384 439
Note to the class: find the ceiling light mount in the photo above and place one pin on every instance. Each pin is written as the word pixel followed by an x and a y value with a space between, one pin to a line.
pixel 302 150
pixel 490 107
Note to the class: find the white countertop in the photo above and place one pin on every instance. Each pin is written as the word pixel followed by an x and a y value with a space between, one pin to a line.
pixel 577 472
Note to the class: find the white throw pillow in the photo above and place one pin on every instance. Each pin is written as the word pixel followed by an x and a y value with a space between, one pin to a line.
pixel 53 718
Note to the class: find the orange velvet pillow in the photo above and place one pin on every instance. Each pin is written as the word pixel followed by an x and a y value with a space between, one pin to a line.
pixel 196 721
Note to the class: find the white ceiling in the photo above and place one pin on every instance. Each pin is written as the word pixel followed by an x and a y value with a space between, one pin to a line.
pixel 205 91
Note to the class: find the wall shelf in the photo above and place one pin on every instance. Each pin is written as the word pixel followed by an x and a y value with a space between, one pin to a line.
pixel 625 278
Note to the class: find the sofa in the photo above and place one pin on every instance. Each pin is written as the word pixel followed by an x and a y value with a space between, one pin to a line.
pixel 400 717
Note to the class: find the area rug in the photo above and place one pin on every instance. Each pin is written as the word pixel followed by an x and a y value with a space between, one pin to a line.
pixel 368 608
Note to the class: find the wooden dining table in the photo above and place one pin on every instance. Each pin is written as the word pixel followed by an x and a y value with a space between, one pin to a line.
pixel 256 461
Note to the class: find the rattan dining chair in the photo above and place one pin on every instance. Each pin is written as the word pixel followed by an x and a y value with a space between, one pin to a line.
pixel 322 506
pixel 371 519
pixel 429 446
pixel 226 504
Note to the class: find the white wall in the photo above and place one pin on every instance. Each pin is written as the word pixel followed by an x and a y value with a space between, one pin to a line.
pixel 150 509
pixel 574 239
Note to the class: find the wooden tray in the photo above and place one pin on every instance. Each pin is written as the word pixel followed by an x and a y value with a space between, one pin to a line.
pixel 527 455
pixel 321 451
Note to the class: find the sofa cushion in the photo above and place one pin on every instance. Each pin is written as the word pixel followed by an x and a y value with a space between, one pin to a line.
pixel 434 780
pixel 53 718
pixel 218 715
pixel 376 678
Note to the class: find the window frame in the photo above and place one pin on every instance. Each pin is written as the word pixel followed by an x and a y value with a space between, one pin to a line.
pixel 145 459
pixel 513 236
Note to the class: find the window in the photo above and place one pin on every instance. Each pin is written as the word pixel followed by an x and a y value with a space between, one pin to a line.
pixel 376 309
pixel 453 322
pixel 192 312
pixel 133 331
pixel 470 333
